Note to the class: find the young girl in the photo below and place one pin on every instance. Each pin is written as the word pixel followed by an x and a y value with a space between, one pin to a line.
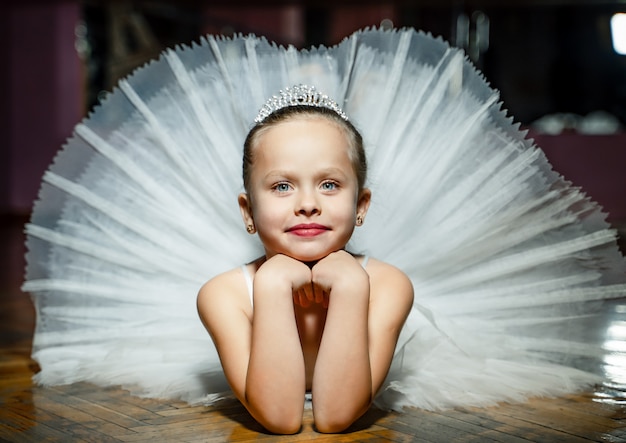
pixel 308 315
pixel 515 270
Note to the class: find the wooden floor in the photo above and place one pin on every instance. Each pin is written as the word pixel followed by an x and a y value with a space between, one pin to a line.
pixel 86 413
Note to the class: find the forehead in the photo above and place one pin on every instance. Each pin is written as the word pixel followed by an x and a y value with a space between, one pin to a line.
pixel 298 129
pixel 303 140
pixel 304 119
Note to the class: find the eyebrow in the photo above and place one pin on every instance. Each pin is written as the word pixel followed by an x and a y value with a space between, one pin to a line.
pixel 323 172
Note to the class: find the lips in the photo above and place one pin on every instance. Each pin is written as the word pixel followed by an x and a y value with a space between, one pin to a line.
pixel 307 229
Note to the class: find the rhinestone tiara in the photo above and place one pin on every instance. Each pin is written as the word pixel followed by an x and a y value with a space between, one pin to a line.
pixel 298 95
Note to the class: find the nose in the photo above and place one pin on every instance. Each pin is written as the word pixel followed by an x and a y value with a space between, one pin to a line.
pixel 308 203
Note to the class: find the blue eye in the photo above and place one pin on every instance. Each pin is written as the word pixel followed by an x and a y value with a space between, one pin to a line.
pixel 329 186
pixel 282 187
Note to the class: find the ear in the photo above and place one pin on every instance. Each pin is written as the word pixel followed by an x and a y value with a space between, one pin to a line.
pixel 362 205
pixel 245 207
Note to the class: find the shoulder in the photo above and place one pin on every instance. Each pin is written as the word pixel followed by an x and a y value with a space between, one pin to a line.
pixel 389 283
pixel 232 280
pixel 382 272
pixel 224 292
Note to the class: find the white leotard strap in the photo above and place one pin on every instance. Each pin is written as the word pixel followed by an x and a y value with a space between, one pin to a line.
pixel 248 277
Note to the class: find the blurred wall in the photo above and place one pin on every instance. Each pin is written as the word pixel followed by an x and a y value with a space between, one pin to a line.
pixel 41 90
pixel 46 88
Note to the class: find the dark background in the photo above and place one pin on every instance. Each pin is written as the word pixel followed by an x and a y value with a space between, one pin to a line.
pixel 545 57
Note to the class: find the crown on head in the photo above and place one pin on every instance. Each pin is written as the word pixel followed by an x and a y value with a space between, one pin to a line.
pixel 299 95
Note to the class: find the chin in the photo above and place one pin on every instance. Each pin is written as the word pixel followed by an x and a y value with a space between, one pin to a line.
pixel 309 257
pixel 303 256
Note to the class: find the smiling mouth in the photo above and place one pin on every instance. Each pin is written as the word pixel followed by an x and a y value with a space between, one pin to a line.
pixel 308 230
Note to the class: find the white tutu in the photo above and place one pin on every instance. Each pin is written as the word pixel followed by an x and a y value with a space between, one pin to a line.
pixel 512 267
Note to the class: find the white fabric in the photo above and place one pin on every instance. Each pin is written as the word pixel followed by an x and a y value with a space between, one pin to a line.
pixel 512 267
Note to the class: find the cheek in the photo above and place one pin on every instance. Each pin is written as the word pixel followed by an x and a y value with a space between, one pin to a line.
pixel 346 210
pixel 265 214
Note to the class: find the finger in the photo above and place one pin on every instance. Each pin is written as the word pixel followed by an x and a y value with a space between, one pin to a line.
pixel 309 291
pixel 319 294
pixel 326 299
pixel 304 300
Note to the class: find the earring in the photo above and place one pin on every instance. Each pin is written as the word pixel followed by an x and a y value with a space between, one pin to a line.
pixel 250 229
pixel 359 220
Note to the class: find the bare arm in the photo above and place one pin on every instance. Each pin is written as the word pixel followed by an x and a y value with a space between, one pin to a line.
pixel 365 316
pixel 260 350
pixel 276 375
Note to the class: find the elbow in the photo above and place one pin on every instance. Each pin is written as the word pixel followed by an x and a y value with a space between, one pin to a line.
pixel 282 424
pixel 334 414
pixel 279 412
pixel 333 425
pixel 337 421
pixel 277 418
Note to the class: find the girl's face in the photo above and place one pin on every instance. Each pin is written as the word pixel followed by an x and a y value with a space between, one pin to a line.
pixel 304 196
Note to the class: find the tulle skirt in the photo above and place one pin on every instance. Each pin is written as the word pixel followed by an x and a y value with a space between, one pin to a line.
pixel 512 267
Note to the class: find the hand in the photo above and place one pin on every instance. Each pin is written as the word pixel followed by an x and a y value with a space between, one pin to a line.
pixel 281 268
pixel 294 273
pixel 336 266
pixel 339 269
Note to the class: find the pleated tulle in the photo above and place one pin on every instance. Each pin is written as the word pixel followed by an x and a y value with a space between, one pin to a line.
pixel 512 266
